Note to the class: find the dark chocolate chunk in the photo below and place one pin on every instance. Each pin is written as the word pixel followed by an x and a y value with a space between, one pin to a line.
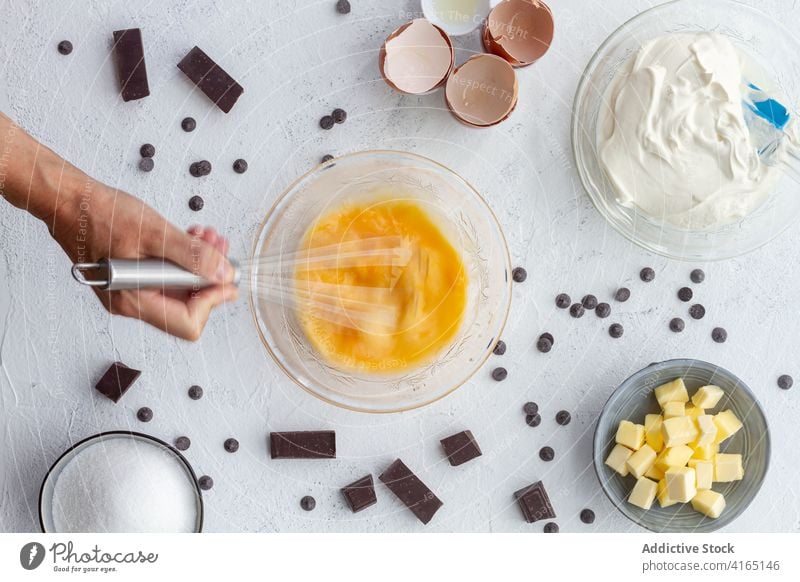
pixel 231 445
pixel 587 516
pixel 65 47
pixel 499 348
pixel 602 310
pixel 550 527
pixel 616 330
pixel 519 274
pixel 240 166
pixel 785 381
pixel 544 345
pixel 360 494
pixel 460 448
pixel 307 444
pixel 697 276
pixel 182 443
pixel 200 169
pixel 147 150
pixel 533 420
pixel 622 294
pixel 677 325
pixel 144 414
pixel 205 482
pixel 195 392
pixel 563 417
pixel 211 79
pixel 719 335
pixel 188 124
pixel 129 53
pixel 146 164
pixel 535 503
pixel 531 408
pixel 697 311
pixel 326 122
pixel 685 294
pixel 411 491
pixel 589 301
pixel 563 300
pixel 499 374
pixel 343 6
pixel 577 310
pixel 339 115
pixel 547 454
pixel 647 274
pixel 196 203
pixel 326 158
pixel 308 503
pixel 116 381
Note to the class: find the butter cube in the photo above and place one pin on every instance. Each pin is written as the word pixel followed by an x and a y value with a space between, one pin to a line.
pixel 681 483
pixel 679 430
pixel 708 430
pixel 694 411
pixel 663 496
pixel 705 452
pixel 728 467
pixel 673 409
pixel 709 503
pixel 674 457
pixel 643 493
pixel 641 461
pixel 652 432
pixel 630 435
pixel 674 391
pixel 654 473
pixel 704 471
pixel 707 396
pixel 727 425
pixel 617 459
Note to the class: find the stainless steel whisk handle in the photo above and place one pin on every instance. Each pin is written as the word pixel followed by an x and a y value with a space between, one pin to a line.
pixel 122 274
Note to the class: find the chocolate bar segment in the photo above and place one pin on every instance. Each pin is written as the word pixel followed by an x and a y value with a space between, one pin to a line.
pixel 534 503
pixel 411 491
pixel 360 494
pixel 460 448
pixel 129 53
pixel 211 79
pixel 308 444
pixel 116 381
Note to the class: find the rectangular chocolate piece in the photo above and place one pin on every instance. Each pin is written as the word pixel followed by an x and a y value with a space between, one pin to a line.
pixel 211 79
pixel 360 494
pixel 307 444
pixel 461 447
pixel 534 503
pixel 129 53
pixel 411 491
pixel 116 381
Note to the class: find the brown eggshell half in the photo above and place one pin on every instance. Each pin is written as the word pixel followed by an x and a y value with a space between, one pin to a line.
pixel 520 31
pixel 399 31
pixel 483 91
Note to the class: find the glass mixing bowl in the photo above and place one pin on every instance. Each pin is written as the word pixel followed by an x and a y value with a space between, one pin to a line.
pixel 634 399
pixel 760 38
pixel 464 218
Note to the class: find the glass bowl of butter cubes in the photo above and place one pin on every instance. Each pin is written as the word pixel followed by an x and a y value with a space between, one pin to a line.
pixel 682 446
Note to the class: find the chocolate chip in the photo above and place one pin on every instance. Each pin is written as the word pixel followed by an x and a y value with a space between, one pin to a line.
pixel 231 445
pixel 343 6
pixel 65 47
pixel 531 408
pixel 308 503
pixel 200 169
pixel 622 294
pixel 240 166
pixel 499 374
pixel 147 150
pixel 326 158
pixel 205 482
pixel 685 294
pixel 697 276
pixel 719 335
pixel 326 122
pixel 563 300
pixel 196 203
pixel 587 516
pixel 589 301
pixel 647 274
pixel 577 310
pixel 182 443
pixel 533 420
pixel 547 454
pixel 676 324
pixel 188 124
pixel 146 164
pixel 563 417
pixel 519 274
pixel 144 414
pixel 195 392
pixel 785 381
pixel 697 311
pixel 544 345
pixel 550 527
pixel 339 115
pixel 602 310
pixel 616 330
pixel 499 348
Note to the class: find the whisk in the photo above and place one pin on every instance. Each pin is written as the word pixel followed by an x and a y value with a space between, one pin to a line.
pixel 285 279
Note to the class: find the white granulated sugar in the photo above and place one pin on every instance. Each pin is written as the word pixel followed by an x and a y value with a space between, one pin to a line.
pixel 124 485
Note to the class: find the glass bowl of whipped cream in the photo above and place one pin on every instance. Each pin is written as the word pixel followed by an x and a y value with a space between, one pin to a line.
pixel 665 134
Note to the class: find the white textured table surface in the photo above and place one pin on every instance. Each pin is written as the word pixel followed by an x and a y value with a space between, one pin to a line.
pixel 298 60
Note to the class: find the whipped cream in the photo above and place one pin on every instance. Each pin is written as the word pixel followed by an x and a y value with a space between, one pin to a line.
pixel 672 137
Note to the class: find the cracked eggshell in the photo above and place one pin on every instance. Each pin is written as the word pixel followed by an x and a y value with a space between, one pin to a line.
pixel 519 31
pixel 483 91
pixel 445 59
